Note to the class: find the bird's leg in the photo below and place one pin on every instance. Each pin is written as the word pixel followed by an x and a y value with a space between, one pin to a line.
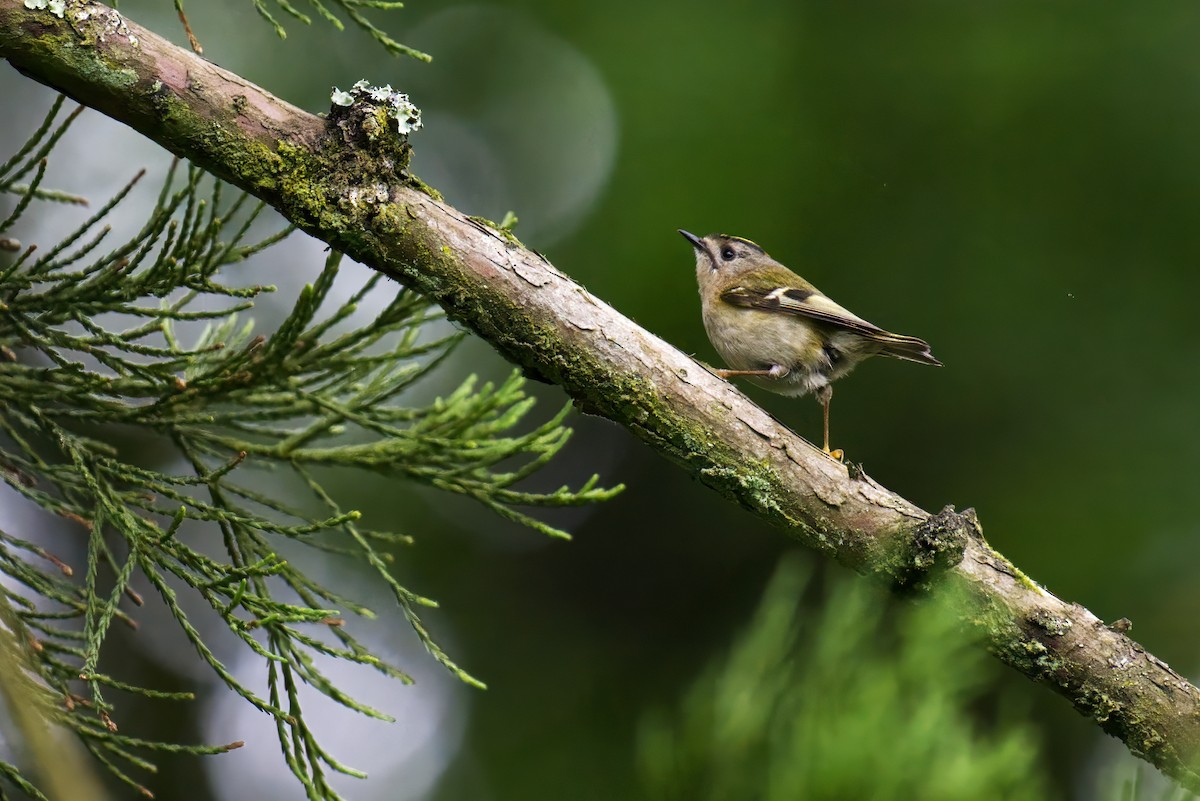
pixel 824 395
pixel 775 371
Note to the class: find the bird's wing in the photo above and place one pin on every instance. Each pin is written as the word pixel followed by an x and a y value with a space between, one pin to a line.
pixel 801 302
pixel 812 304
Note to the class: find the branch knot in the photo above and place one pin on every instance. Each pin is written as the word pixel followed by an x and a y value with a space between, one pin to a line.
pixel 936 545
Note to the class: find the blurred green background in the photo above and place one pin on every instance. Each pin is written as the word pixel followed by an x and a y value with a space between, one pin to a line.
pixel 1016 183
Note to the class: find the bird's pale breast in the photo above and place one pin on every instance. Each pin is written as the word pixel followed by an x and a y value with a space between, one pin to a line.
pixel 769 339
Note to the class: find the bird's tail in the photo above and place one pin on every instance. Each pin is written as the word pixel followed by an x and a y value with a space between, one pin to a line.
pixel 908 348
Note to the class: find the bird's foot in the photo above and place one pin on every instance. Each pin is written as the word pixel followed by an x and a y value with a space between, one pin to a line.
pixel 837 454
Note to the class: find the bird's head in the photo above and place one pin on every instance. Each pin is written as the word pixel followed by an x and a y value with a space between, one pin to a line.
pixel 721 258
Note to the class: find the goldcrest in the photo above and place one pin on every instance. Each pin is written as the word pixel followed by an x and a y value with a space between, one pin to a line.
pixel 777 329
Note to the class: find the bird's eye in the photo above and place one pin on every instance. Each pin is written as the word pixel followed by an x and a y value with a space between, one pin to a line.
pixel 727 253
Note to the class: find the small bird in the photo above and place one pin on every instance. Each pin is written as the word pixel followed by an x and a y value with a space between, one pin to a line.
pixel 772 326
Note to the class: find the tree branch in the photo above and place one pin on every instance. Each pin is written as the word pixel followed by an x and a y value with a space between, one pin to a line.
pixel 342 185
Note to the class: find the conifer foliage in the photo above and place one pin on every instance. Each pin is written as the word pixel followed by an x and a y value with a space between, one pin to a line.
pixel 147 341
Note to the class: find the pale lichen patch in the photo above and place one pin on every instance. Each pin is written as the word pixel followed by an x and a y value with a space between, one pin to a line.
pixel 104 22
pixel 56 7
pixel 367 195
pixel 396 105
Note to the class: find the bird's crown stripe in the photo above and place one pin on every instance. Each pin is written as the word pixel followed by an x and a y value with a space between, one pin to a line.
pixel 749 242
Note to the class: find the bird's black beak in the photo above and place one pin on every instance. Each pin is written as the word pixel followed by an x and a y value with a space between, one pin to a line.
pixel 697 243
